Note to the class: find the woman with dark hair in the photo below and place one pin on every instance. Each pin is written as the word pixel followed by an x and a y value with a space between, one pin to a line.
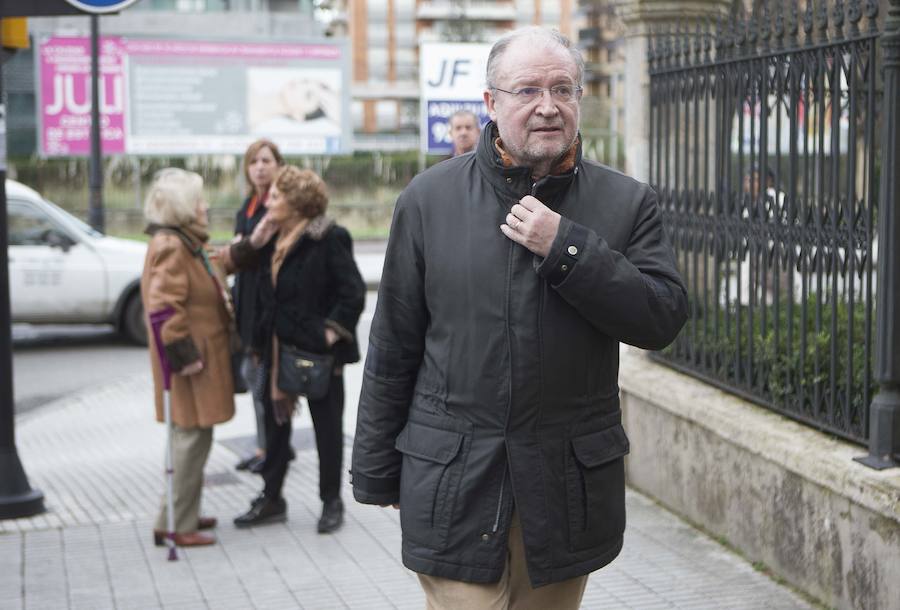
pixel 261 162
pixel 311 295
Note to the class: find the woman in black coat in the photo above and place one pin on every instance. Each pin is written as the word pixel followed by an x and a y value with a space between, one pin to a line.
pixel 262 161
pixel 310 295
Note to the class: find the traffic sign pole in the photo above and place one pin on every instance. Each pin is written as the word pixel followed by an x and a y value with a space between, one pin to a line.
pixel 17 498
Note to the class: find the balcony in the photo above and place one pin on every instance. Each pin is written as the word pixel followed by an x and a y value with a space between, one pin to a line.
pixel 589 37
pixel 476 11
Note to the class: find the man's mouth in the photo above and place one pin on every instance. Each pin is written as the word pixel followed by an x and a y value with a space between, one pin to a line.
pixel 546 129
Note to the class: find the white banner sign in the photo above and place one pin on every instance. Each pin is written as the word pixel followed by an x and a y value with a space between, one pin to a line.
pixel 451 78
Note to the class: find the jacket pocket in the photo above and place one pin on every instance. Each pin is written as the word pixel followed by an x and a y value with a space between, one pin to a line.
pixel 595 487
pixel 429 482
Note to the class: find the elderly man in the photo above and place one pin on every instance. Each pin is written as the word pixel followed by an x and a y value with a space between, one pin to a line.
pixel 489 411
pixel 464 131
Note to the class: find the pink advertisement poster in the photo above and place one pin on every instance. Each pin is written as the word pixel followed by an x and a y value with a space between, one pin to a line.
pixel 64 72
pixel 163 97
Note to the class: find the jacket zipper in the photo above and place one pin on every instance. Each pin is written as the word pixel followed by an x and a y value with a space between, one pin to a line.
pixel 499 510
pixel 509 272
pixel 500 501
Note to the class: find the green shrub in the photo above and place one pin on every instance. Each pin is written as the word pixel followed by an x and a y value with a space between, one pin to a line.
pixel 792 372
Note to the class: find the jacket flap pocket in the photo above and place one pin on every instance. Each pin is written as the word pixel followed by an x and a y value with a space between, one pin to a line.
pixel 600 447
pixel 427 443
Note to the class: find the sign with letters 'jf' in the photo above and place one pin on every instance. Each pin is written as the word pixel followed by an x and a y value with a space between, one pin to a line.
pixel 451 78
pixel 100 6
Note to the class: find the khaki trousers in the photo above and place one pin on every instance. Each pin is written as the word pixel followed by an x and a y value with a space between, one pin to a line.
pixel 512 592
pixel 190 448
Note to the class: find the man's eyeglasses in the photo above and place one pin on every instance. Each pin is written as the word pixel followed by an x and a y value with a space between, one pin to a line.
pixel 560 93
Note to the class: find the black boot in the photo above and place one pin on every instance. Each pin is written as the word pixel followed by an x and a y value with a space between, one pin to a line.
pixel 263 510
pixel 332 516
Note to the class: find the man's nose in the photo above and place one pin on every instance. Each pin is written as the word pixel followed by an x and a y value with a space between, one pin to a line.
pixel 546 104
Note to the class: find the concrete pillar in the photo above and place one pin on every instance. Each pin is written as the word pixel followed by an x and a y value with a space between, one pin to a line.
pixel 639 16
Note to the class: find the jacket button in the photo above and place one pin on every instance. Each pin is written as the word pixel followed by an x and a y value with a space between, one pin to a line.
pixel 509 181
pixel 485 537
pixel 572 250
pixel 564 267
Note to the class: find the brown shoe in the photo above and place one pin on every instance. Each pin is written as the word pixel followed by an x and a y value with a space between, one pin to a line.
pixel 186 539
pixel 207 523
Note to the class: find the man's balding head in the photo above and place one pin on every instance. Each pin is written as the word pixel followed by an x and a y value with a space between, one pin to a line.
pixel 464 130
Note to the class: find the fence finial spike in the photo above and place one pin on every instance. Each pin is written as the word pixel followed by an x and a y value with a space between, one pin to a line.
pixel 854 15
pixel 752 29
pixel 793 23
pixel 698 42
pixel 737 30
pixel 707 39
pixel 778 27
pixel 837 17
pixel 822 20
pixel 720 34
pixel 808 19
pixel 684 43
pixel 765 26
pixel 666 55
pixel 871 13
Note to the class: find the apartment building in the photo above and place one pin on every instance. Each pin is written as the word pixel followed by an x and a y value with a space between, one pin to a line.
pixel 385 36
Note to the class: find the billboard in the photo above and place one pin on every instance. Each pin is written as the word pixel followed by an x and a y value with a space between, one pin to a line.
pixel 181 97
pixel 451 78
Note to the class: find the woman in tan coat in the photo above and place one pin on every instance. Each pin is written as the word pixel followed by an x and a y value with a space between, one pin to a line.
pixel 180 277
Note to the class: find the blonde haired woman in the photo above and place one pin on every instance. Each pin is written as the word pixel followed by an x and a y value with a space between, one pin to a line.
pixel 180 278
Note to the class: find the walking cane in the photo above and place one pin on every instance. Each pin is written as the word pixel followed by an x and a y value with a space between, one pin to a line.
pixel 157 319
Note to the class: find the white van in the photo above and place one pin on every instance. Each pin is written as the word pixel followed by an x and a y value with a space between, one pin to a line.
pixel 61 271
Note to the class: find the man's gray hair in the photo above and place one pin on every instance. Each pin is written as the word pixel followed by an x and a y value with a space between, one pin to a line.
pixel 462 112
pixel 535 31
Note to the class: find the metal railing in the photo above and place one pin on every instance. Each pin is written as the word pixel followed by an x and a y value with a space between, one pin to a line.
pixel 765 153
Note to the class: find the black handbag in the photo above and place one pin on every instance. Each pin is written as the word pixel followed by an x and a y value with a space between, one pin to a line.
pixel 304 373
pixel 237 374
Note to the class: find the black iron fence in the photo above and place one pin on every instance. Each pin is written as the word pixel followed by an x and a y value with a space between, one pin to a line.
pixel 765 152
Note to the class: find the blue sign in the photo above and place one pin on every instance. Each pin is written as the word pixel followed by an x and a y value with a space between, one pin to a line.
pixel 101 6
pixel 438 116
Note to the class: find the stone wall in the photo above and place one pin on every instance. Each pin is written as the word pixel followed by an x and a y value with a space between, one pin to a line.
pixel 781 493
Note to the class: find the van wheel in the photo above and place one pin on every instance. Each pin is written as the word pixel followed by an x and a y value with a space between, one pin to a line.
pixel 133 327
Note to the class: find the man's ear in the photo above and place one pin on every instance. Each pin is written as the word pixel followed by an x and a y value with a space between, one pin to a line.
pixel 489 102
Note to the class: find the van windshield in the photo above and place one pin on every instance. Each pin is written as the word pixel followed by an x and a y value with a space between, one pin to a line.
pixel 73 221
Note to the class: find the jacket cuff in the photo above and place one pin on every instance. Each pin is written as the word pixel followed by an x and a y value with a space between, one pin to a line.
pixel 181 353
pixel 243 254
pixel 382 491
pixel 567 247
pixel 342 332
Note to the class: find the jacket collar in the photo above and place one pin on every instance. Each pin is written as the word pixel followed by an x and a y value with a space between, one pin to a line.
pixel 514 181
pixel 315 229
pixel 318 226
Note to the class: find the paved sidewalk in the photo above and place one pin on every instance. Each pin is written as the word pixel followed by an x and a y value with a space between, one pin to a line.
pixel 97 457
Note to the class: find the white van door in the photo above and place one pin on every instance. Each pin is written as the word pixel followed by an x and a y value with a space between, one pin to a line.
pixel 54 277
